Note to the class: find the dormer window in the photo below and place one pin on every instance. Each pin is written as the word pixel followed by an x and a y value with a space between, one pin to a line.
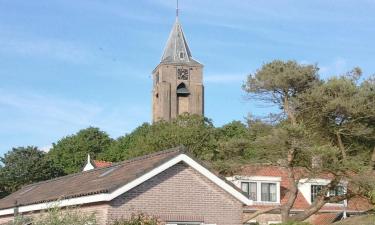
pixel 182 55
pixel 260 189
pixel 315 190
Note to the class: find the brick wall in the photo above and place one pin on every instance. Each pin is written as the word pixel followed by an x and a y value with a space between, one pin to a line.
pixel 5 219
pixel 179 194
pixel 100 211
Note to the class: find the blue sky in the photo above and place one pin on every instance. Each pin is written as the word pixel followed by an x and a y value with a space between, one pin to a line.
pixel 67 64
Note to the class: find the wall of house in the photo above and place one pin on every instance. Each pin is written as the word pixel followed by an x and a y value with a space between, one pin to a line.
pixel 179 194
pixel 100 211
pixel 268 218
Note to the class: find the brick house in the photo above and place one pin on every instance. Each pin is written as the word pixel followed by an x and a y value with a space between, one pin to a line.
pixel 176 188
pixel 169 185
pixel 267 185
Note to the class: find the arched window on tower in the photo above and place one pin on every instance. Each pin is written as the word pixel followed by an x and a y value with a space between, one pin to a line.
pixel 182 99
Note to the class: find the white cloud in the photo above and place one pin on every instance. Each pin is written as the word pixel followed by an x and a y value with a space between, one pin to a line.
pixel 40 119
pixel 337 67
pixel 45 48
pixel 47 107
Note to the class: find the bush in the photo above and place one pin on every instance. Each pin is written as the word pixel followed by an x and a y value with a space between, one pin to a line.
pixel 295 223
pixel 57 216
pixel 140 219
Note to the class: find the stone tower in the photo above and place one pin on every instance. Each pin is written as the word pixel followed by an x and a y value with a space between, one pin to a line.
pixel 178 80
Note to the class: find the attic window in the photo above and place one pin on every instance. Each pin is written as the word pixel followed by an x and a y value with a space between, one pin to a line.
pixel 110 170
pixel 182 55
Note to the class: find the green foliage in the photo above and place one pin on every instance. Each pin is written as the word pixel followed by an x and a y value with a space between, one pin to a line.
pixel 70 152
pixel 296 223
pixel 57 216
pixel 192 131
pixel 25 165
pixel 341 112
pixel 277 80
pixel 140 219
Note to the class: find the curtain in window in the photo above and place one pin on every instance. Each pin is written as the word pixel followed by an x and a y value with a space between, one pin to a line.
pixel 268 192
pixel 250 188
pixel 273 192
pixel 253 191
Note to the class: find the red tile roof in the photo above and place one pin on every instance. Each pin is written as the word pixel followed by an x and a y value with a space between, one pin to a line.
pixel 354 204
pixel 101 164
pixel 323 218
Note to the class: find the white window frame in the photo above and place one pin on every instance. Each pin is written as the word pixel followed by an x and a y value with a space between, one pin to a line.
pixel 304 186
pixel 237 180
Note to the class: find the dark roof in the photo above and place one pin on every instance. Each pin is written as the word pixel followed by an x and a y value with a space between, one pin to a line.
pixel 177 49
pixel 100 180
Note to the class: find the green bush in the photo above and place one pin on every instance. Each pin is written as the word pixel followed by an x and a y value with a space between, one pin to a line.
pixel 57 216
pixel 295 223
pixel 140 219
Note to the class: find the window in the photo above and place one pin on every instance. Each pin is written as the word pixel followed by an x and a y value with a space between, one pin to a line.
pixel 264 189
pixel 182 55
pixel 315 189
pixel 268 192
pixel 250 188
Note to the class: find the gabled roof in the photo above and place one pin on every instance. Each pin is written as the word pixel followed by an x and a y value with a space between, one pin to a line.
pixel 177 50
pixel 105 184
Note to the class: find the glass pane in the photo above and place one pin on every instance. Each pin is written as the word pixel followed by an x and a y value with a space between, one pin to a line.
pixel 268 192
pixel 273 192
pixel 245 187
pixel 315 189
pixel 253 191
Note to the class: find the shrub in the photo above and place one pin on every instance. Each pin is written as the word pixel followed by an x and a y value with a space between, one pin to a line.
pixel 57 216
pixel 295 223
pixel 140 219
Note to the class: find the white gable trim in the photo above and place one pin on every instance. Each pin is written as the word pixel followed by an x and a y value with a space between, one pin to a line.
pixel 109 196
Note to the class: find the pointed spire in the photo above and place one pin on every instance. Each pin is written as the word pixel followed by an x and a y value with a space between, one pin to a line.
pixel 176 49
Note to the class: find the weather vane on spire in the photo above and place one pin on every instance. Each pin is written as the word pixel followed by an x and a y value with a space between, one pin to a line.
pixel 177 9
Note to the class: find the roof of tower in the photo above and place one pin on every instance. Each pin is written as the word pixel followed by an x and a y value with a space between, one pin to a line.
pixel 177 49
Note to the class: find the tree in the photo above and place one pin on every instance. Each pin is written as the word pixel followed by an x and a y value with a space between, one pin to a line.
pixel 343 112
pixel 193 131
pixel 297 139
pixel 70 152
pixel 25 165
pixel 278 82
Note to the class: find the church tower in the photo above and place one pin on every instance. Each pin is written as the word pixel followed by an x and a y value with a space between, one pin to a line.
pixel 177 80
